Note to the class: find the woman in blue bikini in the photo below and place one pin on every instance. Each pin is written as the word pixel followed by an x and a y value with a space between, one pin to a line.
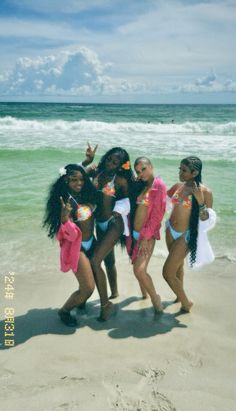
pixel 190 200
pixel 69 217
pixel 112 179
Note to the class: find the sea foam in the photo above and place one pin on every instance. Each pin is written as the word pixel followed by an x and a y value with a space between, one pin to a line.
pixel 208 139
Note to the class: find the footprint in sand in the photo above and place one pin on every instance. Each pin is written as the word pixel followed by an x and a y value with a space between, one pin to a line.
pixel 154 400
pixel 151 373
pixel 68 406
pixel 195 360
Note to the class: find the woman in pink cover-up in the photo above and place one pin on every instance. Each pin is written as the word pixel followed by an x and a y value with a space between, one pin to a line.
pixel 146 218
pixel 69 217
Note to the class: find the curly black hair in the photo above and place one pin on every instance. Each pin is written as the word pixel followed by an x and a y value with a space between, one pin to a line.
pixel 52 217
pixel 194 164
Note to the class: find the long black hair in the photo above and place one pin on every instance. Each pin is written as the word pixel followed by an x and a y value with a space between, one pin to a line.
pixel 194 164
pixel 88 195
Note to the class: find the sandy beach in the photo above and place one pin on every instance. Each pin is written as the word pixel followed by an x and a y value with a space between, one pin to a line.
pixel 134 361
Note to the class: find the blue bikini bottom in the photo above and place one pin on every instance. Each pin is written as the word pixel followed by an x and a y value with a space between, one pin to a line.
pixel 176 234
pixel 86 245
pixel 135 234
pixel 103 225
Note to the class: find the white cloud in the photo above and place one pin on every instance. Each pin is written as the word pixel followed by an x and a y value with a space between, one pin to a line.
pixel 81 73
pixel 208 83
pixel 166 49
pixel 75 73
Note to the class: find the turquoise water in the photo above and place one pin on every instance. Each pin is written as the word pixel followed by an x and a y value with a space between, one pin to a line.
pixel 37 139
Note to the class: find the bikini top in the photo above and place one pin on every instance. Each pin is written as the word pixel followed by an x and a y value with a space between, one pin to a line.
pixel 143 199
pixel 108 189
pixel 83 211
pixel 185 201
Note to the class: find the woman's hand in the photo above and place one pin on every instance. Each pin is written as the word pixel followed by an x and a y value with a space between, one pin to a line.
pixel 65 210
pixel 90 154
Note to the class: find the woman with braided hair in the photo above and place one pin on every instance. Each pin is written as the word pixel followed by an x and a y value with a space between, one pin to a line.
pixel 191 203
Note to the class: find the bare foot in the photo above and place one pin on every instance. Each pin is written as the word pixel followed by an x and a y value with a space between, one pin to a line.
pixel 158 307
pixel 187 308
pixel 67 318
pixel 106 311
pixel 114 295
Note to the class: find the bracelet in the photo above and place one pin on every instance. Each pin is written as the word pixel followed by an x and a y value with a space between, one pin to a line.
pixel 202 208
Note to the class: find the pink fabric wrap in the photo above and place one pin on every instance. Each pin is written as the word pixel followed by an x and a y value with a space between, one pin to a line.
pixel 155 214
pixel 70 238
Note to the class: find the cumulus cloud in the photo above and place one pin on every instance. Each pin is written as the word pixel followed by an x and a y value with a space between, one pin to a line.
pixel 208 83
pixel 74 73
pixel 80 73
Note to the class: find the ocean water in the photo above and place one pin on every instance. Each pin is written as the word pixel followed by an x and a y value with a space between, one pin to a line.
pixel 36 139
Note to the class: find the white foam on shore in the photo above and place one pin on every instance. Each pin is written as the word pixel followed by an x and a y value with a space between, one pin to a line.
pixel 209 140
pixel 229 128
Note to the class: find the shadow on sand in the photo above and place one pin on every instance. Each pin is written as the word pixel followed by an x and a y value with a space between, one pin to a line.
pixel 124 323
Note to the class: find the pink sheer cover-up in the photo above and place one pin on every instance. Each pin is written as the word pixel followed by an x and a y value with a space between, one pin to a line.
pixel 70 238
pixel 155 214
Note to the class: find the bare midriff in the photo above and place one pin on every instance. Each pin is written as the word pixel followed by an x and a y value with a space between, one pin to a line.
pixel 86 228
pixel 182 205
pixel 104 207
pixel 140 216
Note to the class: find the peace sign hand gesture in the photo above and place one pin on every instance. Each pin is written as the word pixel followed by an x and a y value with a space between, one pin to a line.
pixel 90 153
pixel 65 210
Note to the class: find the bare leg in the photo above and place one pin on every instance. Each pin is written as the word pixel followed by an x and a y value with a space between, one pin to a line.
pixel 143 290
pixel 102 249
pixel 180 276
pixel 86 282
pixel 111 271
pixel 180 272
pixel 145 280
pixel 177 252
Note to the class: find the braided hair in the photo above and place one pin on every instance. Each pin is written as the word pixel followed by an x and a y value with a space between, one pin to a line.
pixel 52 217
pixel 194 164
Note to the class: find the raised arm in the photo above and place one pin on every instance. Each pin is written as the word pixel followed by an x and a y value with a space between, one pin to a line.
pixel 89 155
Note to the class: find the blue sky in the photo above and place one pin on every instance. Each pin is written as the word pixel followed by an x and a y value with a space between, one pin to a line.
pixel 119 51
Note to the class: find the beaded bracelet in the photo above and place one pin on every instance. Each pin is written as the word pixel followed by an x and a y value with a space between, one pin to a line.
pixel 202 209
